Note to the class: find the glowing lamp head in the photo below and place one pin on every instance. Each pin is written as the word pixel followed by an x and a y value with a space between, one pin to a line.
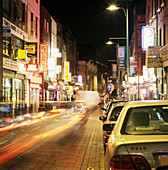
pixel 112 8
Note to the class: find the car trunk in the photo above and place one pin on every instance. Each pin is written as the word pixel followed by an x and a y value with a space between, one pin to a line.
pixel 154 148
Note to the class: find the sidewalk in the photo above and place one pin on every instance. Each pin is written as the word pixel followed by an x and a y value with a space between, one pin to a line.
pixel 94 154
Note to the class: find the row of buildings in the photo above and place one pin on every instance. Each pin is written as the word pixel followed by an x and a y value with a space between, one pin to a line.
pixel 148 50
pixel 38 58
pixel 148 53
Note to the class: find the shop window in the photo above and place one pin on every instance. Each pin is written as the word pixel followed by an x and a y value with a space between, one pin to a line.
pixel 19 90
pixel 47 27
pixel 32 22
pixel 160 36
pixel 45 24
pixel 7 89
pixel 23 12
pixel 7 46
pixel 19 44
pixel 18 10
pixel 164 34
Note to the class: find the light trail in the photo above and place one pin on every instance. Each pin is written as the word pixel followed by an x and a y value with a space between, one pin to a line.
pixel 27 141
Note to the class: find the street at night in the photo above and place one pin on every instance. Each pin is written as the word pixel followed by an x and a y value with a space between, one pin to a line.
pixel 84 85
pixel 61 142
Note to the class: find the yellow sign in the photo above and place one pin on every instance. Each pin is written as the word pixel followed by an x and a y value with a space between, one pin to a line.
pixel 67 69
pixel 21 54
pixel 67 79
pixel 30 49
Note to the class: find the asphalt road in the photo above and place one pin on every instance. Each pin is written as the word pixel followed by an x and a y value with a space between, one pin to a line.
pixel 62 142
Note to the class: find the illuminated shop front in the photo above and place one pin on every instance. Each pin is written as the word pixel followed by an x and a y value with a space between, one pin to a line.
pixel 143 87
pixel 35 80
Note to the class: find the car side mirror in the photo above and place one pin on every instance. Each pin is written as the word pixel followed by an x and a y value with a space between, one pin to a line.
pixel 108 127
pixel 102 118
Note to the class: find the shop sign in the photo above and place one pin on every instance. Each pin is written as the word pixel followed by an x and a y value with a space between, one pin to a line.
pixel 44 56
pixel 31 48
pixel 21 54
pixel 15 30
pixel 36 79
pixel 121 55
pixel 147 37
pixel 68 79
pixel 154 50
pixel 31 67
pixel 154 62
pixel 10 64
pixel 21 67
pixel 114 70
pixel 164 53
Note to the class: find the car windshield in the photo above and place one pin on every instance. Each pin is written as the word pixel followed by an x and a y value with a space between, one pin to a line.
pixel 115 113
pixel 146 120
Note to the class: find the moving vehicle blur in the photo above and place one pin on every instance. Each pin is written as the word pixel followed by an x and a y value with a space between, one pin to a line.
pixel 88 98
pixel 139 139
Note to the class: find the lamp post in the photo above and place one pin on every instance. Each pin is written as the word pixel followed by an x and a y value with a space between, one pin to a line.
pixel 114 8
pixel 117 45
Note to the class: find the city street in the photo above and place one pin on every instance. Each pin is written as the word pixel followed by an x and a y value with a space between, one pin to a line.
pixel 66 141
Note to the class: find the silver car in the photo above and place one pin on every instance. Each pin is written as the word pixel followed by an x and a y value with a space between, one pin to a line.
pixel 139 139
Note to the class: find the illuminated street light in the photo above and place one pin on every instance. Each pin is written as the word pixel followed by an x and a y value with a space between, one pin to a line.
pixel 111 43
pixel 114 8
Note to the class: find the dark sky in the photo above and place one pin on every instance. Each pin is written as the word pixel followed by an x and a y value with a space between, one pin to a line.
pixel 89 20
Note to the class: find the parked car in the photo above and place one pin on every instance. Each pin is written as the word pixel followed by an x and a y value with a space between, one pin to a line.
pixel 110 120
pixel 108 107
pixel 139 139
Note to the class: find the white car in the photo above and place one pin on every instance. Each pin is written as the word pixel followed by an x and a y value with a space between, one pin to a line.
pixel 110 120
pixel 139 139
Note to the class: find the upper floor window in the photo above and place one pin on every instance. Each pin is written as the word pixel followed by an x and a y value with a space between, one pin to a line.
pixel 36 26
pixel 32 21
pixel 7 5
pixel 45 24
pixel 47 27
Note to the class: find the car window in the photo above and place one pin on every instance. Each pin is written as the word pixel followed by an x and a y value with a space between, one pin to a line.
pixel 146 120
pixel 115 113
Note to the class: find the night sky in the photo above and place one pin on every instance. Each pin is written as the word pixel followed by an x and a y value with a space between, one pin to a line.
pixel 90 23
pixel 89 20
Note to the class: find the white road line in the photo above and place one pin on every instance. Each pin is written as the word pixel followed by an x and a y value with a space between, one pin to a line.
pixel 35 129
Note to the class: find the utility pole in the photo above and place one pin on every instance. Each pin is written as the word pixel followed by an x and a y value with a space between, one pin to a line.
pixel 1 50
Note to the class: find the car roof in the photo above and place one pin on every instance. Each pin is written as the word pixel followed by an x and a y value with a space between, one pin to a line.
pixel 119 104
pixel 146 103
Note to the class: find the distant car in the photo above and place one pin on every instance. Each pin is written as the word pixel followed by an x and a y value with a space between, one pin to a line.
pixel 139 139
pixel 111 119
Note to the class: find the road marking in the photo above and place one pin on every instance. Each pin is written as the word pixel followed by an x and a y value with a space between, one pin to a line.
pixel 4 142
pixel 35 129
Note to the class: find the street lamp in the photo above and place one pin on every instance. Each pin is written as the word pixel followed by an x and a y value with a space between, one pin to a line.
pixel 114 8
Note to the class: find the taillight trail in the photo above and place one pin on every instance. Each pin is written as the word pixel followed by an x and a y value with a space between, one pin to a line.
pixel 131 162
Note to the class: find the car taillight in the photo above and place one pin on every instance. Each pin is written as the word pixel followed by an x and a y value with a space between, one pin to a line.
pixel 131 162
